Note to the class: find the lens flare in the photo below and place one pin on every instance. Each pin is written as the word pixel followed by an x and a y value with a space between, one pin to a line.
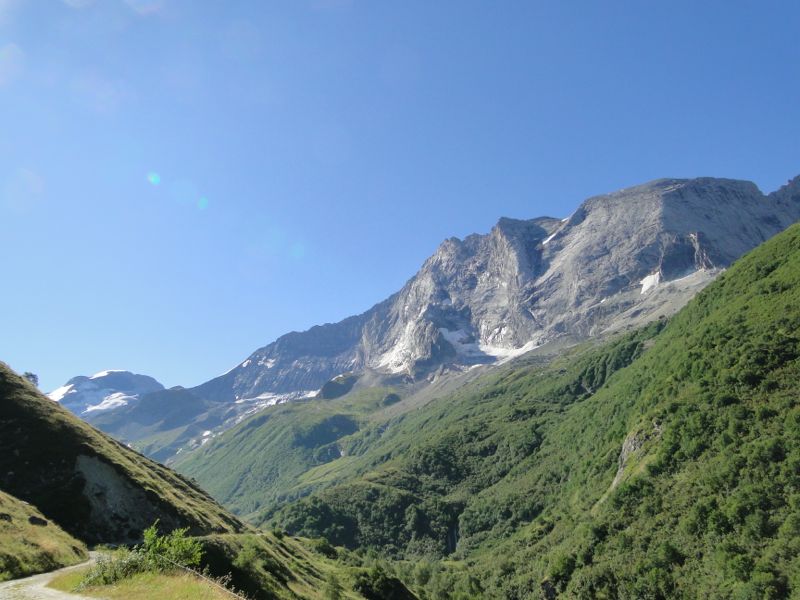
pixel 202 203
pixel 154 178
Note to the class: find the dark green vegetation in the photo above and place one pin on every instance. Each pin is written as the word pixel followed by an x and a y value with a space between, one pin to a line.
pixel 30 544
pixel 463 469
pixel 94 487
pixel 269 565
pixel 663 464
pixel 338 386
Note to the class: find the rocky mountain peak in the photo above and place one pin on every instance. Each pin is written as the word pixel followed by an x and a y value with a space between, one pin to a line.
pixel 619 259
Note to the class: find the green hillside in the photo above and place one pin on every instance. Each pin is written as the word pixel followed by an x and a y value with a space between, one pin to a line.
pixel 663 464
pixel 94 487
pixel 29 543
pixel 678 475
pixel 462 469
pixel 103 492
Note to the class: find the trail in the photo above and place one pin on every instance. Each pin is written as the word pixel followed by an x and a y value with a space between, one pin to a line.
pixel 35 587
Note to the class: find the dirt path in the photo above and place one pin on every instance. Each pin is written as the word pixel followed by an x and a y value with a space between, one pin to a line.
pixel 35 587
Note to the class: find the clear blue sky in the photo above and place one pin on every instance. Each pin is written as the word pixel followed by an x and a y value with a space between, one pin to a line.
pixel 181 182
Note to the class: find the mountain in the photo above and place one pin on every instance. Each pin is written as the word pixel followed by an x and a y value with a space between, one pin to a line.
pixel 139 411
pixel 285 452
pixel 661 464
pixel 106 390
pixel 95 488
pixel 620 259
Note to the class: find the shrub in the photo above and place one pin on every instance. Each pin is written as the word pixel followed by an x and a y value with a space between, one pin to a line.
pixel 174 548
pixel 158 553
pixel 324 547
pixel 333 589
pixel 111 568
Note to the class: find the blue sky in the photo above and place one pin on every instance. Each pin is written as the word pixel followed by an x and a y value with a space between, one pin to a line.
pixel 181 182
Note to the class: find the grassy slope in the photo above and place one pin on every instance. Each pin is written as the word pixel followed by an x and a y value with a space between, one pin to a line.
pixel 260 566
pixel 709 499
pixel 27 548
pixel 39 444
pixel 409 485
pixel 263 460
pixel 264 566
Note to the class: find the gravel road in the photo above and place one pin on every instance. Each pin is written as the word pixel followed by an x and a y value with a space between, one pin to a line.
pixel 35 587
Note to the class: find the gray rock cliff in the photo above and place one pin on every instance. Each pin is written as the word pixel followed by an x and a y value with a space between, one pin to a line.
pixel 620 259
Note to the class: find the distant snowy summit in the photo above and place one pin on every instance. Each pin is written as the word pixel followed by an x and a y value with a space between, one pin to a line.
pixel 103 391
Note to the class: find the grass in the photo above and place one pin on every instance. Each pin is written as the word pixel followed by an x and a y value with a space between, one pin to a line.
pixel 263 566
pixel 267 566
pixel 26 548
pixel 145 586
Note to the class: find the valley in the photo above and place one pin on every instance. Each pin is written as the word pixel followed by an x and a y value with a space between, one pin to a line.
pixel 348 300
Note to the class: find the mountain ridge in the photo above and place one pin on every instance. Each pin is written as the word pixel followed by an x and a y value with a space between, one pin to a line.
pixel 488 298
pixel 359 345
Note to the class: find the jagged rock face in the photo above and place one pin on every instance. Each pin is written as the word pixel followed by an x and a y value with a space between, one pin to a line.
pixel 492 296
pixel 619 259
pixel 87 397
pixel 645 236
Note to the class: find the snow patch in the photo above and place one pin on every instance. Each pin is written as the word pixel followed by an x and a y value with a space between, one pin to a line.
pixel 58 394
pixel 114 400
pixel 650 281
pixel 550 237
pixel 461 341
pixel 249 406
pixel 105 373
